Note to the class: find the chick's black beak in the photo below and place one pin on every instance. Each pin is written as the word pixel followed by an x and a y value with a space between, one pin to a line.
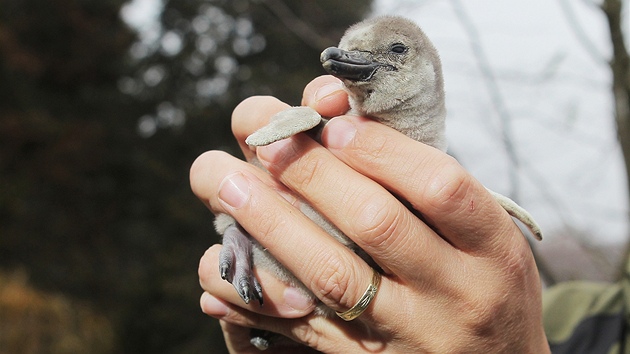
pixel 350 65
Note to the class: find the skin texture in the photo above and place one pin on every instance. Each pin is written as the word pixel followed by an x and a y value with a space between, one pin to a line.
pixel 462 280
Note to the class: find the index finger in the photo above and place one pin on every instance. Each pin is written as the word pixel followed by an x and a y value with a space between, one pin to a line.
pixel 251 114
pixel 325 94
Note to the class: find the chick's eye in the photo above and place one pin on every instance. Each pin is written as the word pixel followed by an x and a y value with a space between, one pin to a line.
pixel 398 48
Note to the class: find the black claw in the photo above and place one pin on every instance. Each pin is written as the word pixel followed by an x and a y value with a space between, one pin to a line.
pixel 226 262
pixel 224 269
pixel 243 290
pixel 258 291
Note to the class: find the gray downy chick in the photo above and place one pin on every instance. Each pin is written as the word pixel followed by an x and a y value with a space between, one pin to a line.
pixel 392 74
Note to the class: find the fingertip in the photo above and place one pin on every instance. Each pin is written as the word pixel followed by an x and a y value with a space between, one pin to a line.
pixel 309 94
pixel 212 306
pixel 334 104
pixel 297 303
pixel 328 90
pixel 199 171
pixel 252 114
pixel 327 96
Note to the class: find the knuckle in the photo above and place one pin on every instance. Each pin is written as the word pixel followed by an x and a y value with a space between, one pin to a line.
pixel 485 314
pixel 516 262
pixel 476 308
pixel 305 334
pixel 265 226
pixel 483 311
pixel 309 170
pixel 448 187
pixel 377 218
pixel 377 150
pixel 333 282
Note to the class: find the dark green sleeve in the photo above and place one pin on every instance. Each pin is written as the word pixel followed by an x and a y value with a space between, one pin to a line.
pixel 584 317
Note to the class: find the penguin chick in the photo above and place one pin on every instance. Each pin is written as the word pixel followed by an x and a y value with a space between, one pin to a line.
pixel 392 74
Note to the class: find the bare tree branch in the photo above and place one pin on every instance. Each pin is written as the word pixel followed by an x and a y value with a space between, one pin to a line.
pixel 496 96
pixel 296 25
pixel 580 33
pixel 620 66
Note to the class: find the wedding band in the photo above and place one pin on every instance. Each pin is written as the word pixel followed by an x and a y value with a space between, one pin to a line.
pixel 363 303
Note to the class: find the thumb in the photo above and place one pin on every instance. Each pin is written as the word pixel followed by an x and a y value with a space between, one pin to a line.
pixel 326 95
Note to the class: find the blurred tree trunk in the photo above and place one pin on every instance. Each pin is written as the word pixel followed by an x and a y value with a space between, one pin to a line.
pixel 95 203
pixel 620 67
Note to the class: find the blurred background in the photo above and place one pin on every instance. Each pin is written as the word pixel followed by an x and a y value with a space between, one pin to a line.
pixel 105 104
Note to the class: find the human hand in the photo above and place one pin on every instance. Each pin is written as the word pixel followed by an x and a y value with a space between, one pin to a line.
pixel 464 279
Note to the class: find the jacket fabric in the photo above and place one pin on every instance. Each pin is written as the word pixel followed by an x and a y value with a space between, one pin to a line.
pixel 586 317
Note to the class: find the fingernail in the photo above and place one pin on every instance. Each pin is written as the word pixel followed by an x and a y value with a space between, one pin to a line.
pixel 234 190
pixel 212 306
pixel 274 153
pixel 327 89
pixel 339 133
pixel 296 300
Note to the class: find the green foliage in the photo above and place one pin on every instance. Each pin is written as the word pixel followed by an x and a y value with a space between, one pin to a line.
pixel 98 130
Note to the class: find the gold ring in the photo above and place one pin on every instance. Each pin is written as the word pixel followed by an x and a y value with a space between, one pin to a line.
pixel 363 303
